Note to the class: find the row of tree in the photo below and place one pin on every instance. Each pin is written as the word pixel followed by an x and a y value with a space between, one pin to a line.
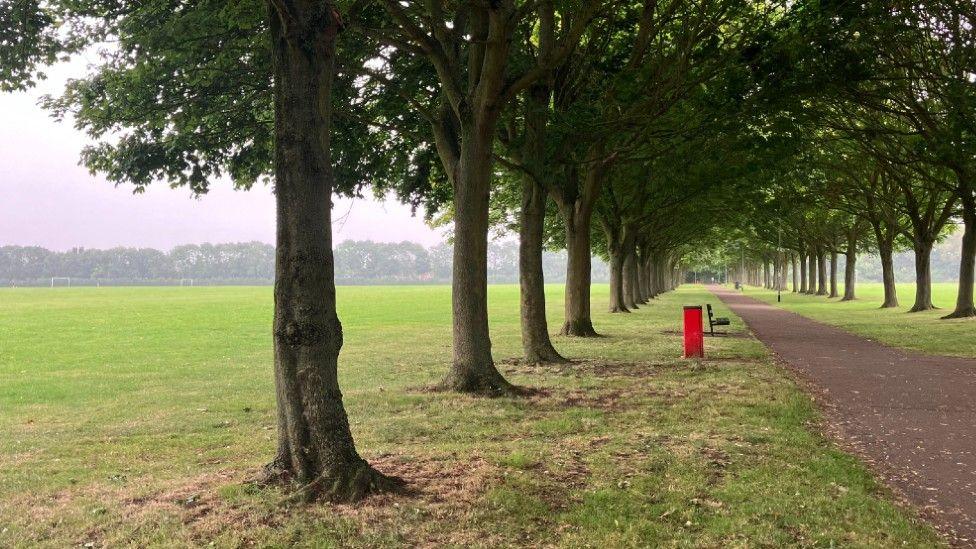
pixel 887 161
pixel 356 262
pixel 724 262
pixel 642 131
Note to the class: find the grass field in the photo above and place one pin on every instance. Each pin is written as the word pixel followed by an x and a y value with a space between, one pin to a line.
pixel 923 331
pixel 136 416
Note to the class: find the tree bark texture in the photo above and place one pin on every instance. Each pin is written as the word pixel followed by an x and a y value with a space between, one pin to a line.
pixel 967 264
pixel 923 276
pixel 577 305
pixel 536 344
pixel 886 251
pixel 821 272
pixel 630 290
pixel 793 271
pixel 850 269
pixel 473 369
pixel 803 274
pixel 315 445
pixel 833 274
pixel 615 248
pixel 812 275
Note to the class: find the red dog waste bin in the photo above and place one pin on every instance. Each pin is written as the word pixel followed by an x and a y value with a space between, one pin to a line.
pixel 694 333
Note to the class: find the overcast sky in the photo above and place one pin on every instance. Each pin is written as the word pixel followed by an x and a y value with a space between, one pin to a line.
pixel 47 199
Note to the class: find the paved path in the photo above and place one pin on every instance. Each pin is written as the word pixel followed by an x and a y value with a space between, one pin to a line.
pixel 913 416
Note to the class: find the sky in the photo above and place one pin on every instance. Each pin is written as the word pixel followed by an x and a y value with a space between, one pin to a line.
pixel 47 199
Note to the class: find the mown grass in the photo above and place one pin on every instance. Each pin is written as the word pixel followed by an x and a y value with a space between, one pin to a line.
pixel 136 416
pixel 923 331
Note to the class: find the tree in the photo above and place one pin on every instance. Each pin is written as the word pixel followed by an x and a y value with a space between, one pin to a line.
pixel 192 87
pixel 470 48
pixel 916 110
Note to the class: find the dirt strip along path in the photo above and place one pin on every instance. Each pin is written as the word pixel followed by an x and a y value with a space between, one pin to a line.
pixel 912 416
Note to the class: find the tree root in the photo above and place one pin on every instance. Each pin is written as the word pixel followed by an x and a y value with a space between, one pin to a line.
pixel 542 360
pixel 967 312
pixel 578 329
pixel 347 484
pixel 489 383
pixel 275 473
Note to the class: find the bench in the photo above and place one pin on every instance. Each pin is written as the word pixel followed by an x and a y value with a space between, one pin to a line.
pixel 714 321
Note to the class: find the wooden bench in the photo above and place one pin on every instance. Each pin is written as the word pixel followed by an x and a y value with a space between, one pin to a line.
pixel 714 321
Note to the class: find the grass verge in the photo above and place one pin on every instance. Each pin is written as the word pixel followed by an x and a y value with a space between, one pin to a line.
pixel 923 331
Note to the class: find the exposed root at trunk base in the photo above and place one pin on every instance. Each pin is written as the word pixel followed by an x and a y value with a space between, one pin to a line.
pixel 489 382
pixel 542 357
pixel 920 308
pixel 545 361
pixel 619 310
pixel 348 484
pixel 276 473
pixel 968 312
pixel 579 328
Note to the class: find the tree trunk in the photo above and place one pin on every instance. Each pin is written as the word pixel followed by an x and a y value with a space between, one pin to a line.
pixel 850 269
pixel 796 287
pixel 643 291
pixel 630 274
pixel 617 302
pixel 803 274
pixel 886 251
pixel 578 321
pixel 315 444
pixel 536 344
pixel 660 268
pixel 923 276
pixel 964 299
pixel 821 272
pixel 812 275
pixel 833 274
pixel 472 370
pixel 652 287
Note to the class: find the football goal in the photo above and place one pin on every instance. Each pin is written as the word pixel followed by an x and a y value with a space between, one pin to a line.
pixel 60 281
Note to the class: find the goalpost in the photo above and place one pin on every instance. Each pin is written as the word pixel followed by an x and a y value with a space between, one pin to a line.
pixel 186 282
pixel 65 279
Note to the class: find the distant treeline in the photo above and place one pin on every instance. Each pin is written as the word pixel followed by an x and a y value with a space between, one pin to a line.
pixel 946 256
pixel 356 262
